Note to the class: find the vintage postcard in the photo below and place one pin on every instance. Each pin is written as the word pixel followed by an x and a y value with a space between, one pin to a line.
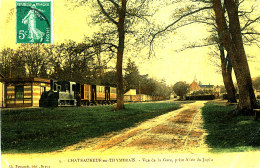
pixel 126 83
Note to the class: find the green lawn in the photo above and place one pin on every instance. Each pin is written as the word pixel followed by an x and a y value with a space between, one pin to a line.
pixel 227 133
pixel 49 129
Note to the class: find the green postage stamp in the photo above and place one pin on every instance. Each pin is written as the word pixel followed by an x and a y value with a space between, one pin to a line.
pixel 34 21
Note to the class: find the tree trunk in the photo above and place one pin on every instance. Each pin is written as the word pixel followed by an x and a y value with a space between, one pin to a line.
pixel 226 69
pixel 232 42
pixel 120 52
pixel 229 85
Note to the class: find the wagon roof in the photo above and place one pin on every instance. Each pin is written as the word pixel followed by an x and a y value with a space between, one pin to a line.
pixel 26 79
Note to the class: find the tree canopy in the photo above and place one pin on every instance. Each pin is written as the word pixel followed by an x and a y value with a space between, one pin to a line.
pixel 181 88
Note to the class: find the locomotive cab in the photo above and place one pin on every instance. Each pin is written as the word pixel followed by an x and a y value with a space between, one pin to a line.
pixel 62 93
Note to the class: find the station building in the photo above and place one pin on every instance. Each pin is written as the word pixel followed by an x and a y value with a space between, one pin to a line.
pixel 24 92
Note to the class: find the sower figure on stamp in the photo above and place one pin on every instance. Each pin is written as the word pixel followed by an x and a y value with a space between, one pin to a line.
pixel 30 19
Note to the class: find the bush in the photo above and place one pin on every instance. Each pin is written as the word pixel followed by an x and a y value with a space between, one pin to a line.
pixel 225 96
pixel 201 97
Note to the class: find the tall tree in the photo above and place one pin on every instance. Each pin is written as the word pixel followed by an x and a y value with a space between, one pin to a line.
pixel 114 12
pixel 231 39
pixel 116 18
pixel 250 36
pixel 120 53
pixel 226 70
pixel 132 76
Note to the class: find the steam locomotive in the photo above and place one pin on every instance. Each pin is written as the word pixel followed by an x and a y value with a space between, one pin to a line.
pixel 66 93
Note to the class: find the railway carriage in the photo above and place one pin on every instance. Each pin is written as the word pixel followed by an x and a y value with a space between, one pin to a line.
pixel 86 95
pixel 99 94
pixel 113 94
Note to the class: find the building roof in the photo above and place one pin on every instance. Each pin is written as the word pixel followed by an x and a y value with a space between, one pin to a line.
pixel 131 92
pixel 194 86
pixel 206 86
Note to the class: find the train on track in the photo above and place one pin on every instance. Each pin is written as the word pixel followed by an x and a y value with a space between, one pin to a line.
pixel 67 93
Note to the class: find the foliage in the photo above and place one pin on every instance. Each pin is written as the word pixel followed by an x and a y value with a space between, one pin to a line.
pixel 116 19
pixel 80 62
pixel 72 61
pixel 132 77
pixel 200 11
pixel 256 83
pixel 202 92
pixel 46 129
pixel 142 83
pixel 229 133
pixel 222 89
pixel 200 97
pixel 12 63
pixel 181 88
pixel 109 78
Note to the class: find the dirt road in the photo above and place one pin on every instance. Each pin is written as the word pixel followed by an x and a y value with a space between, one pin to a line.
pixel 175 139
pixel 177 131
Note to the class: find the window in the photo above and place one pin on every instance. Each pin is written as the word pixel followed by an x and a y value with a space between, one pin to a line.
pixel 67 87
pixel 55 87
pixel 43 89
pixel 74 88
pixel 100 89
pixel 112 90
pixel 19 92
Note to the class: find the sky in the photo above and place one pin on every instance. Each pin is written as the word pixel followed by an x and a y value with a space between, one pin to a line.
pixel 74 23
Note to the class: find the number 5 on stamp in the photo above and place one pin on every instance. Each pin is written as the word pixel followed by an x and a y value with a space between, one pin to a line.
pixel 34 21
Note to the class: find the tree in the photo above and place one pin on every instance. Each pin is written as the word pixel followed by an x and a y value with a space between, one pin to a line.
pixel 250 36
pixel 181 88
pixel 161 89
pixel 114 12
pixel 132 77
pixel 72 61
pixel 6 56
pixel 109 78
pixel 12 63
pixel 43 71
pixel 147 85
pixel 231 39
pixel 256 83
pixel 116 18
pixel 33 58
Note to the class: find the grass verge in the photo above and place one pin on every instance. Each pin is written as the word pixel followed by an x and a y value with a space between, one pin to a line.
pixel 227 133
pixel 49 129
